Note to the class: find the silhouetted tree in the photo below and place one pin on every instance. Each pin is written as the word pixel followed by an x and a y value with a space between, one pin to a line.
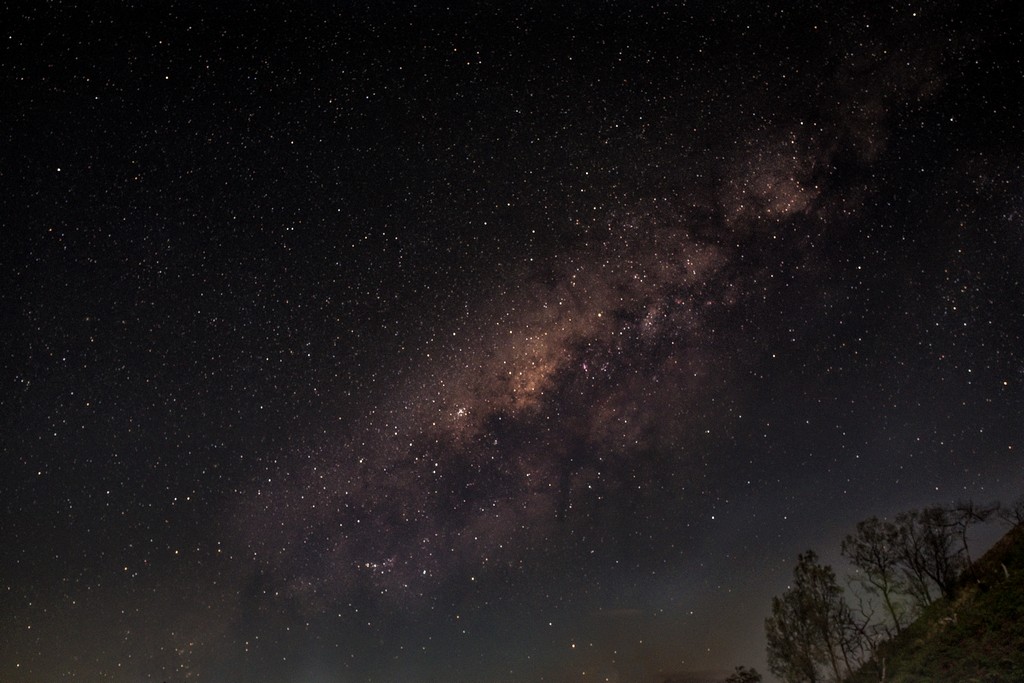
pixel 1013 514
pixel 943 560
pixel 811 631
pixel 744 675
pixel 927 553
pixel 815 635
pixel 874 551
pixel 911 554
pixel 967 513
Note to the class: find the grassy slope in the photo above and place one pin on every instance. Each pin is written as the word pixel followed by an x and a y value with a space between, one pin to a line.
pixel 979 638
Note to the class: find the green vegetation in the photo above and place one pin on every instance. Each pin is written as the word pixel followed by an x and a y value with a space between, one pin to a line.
pixel 978 636
pixel 916 609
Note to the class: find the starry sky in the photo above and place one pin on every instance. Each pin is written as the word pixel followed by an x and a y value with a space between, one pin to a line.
pixel 505 341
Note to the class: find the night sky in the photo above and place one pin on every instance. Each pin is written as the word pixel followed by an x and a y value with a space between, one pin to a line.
pixel 498 342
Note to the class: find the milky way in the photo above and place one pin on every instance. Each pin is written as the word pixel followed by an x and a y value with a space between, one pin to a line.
pixel 557 390
pixel 389 342
pixel 575 361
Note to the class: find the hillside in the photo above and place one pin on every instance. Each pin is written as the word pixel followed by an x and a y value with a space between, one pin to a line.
pixel 978 637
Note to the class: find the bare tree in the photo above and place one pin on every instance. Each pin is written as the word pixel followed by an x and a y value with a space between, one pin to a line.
pixel 868 629
pixel 1013 514
pixel 966 514
pixel 944 561
pixel 909 537
pixel 928 553
pixel 875 551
